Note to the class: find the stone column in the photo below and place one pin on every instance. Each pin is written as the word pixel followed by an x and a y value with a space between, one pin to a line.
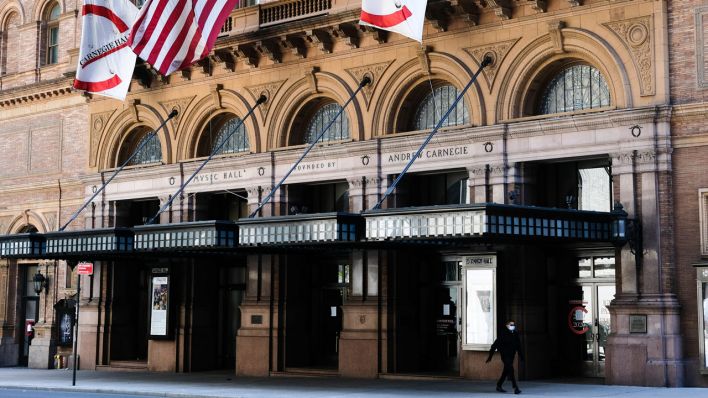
pixel 645 291
pixel 254 335
pixel 364 192
pixel 477 184
pixel 9 347
pixel 358 341
pixel 89 320
pixel 43 347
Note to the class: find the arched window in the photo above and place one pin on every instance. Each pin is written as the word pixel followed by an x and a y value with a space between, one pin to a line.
pixel 338 131
pixel 435 104
pixel 575 88
pixel 150 152
pixel 52 35
pixel 218 130
pixel 10 41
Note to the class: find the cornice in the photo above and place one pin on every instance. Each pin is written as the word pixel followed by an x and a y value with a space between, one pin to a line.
pixel 40 91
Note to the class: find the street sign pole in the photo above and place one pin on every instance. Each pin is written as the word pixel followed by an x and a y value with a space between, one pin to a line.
pixel 81 269
pixel 76 327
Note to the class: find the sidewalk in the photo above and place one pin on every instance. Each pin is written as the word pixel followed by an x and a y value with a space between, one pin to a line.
pixel 222 384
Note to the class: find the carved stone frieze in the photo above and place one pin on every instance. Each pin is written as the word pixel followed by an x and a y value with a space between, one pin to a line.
pixel 181 105
pixel 374 72
pixel 497 170
pixel 478 172
pixel 637 35
pixel 270 90
pixel 575 3
pixel 497 51
pixel 645 157
pixel 356 183
pixel 98 124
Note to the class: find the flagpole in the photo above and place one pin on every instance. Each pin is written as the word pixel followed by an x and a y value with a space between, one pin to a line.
pixel 366 80
pixel 216 150
pixel 144 142
pixel 485 62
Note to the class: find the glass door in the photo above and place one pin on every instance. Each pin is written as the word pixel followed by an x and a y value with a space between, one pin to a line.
pixel 30 312
pixel 596 321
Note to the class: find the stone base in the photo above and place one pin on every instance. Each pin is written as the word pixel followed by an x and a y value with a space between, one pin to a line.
pixel 252 353
pixel 9 352
pixel 41 354
pixel 655 355
pixel 358 354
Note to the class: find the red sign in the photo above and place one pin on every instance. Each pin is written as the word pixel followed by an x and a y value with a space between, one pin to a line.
pixel 85 268
pixel 575 320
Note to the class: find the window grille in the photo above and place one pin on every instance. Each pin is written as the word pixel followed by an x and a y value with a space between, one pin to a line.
pixel 434 106
pixel 338 131
pixel 238 140
pixel 575 88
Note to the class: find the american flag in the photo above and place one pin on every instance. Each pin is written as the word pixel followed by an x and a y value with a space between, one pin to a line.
pixel 172 34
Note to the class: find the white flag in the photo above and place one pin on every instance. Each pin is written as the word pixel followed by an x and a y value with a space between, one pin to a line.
pixel 401 16
pixel 106 62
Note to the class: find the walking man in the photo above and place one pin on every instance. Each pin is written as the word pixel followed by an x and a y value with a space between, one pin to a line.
pixel 508 344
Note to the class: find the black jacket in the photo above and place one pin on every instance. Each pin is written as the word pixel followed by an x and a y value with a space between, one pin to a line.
pixel 508 344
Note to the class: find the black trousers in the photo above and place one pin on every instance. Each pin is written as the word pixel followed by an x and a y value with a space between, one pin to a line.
pixel 508 372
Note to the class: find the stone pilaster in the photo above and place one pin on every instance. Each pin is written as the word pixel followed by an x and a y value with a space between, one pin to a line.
pixel 43 346
pixel 9 347
pixel 477 184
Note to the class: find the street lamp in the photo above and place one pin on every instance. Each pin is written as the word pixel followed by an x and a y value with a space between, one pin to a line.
pixel 40 282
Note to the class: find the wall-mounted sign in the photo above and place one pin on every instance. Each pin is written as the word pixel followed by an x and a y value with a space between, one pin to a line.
pixel 84 268
pixel 637 324
pixel 576 320
pixel 159 304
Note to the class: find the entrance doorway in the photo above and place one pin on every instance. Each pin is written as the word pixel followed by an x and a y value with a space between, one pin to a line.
pixel 315 293
pixel 129 313
pixel 598 290
pixel 427 316
pixel 30 311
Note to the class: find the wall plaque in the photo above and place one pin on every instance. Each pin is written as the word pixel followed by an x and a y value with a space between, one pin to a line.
pixel 637 324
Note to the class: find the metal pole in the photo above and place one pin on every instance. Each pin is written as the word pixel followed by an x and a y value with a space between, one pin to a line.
pixel 366 80
pixel 485 62
pixel 151 135
pixel 260 100
pixel 76 328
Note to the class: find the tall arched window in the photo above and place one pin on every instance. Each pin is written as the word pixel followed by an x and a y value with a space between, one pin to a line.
pixel 338 131
pixel 151 152
pixel 10 41
pixel 575 88
pixel 224 127
pixel 52 34
pixel 435 104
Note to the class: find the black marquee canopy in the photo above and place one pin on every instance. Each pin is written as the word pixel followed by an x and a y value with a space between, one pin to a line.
pixel 438 224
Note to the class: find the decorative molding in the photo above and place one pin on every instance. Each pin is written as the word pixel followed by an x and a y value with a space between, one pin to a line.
pixel 216 94
pixel 502 8
pixel 270 90
pixel 497 51
pixel 636 34
pixel 51 218
pixel 645 157
pixel 321 39
pixel 98 123
pixel 702 46
pixel 312 79
pixel 555 31
pixel 423 58
pixel 181 105
pixel 374 71
pixel 537 5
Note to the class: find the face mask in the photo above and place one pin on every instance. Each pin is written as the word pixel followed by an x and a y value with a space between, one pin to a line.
pixel 511 327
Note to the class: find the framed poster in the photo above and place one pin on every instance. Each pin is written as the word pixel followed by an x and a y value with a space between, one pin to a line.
pixel 160 304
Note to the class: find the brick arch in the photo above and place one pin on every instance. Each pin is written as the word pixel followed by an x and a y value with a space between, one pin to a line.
pixel 203 110
pixel 120 126
pixel 27 218
pixel 300 94
pixel 529 67
pixel 41 7
pixel 411 76
pixel 7 8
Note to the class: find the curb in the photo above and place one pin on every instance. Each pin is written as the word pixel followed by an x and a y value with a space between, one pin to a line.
pixel 112 391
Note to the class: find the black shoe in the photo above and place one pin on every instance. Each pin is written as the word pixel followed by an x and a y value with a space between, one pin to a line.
pixel 517 391
pixel 500 389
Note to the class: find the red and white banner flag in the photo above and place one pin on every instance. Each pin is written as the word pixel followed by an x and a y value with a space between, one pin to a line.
pixel 401 16
pixel 172 34
pixel 105 61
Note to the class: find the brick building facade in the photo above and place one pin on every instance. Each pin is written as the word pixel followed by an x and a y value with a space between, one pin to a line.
pixel 519 148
